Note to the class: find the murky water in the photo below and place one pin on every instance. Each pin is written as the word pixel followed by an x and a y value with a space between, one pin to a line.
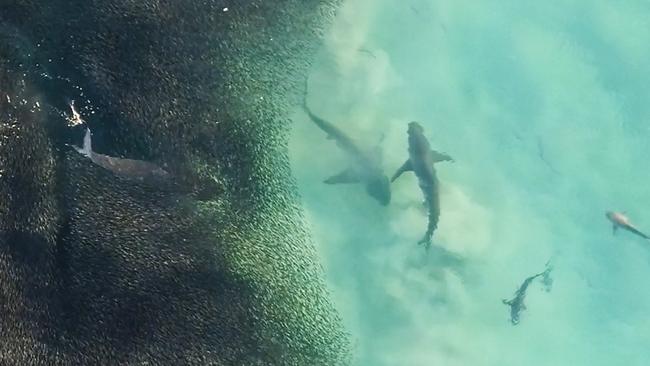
pixel 543 108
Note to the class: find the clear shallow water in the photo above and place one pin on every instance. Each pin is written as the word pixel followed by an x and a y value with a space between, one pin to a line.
pixel 543 108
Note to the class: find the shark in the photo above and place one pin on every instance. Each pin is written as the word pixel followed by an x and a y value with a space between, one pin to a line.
pixel 517 303
pixel 620 220
pixel 366 166
pixel 421 162
pixel 131 169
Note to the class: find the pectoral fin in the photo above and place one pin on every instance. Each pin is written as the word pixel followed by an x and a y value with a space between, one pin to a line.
pixel 614 229
pixel 347 176
pixel 407 166
pixel 438 157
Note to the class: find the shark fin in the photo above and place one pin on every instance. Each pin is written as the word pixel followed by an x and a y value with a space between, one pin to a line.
pixel 347 176
pixel 438 157
pixel 404 168
pixel 614 229
pixel 426 242
pixel 86 149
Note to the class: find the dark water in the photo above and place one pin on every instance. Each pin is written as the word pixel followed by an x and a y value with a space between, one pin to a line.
pixel 99 267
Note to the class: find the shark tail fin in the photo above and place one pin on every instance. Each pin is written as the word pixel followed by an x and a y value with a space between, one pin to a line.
pixel 426 242
pixel 87 148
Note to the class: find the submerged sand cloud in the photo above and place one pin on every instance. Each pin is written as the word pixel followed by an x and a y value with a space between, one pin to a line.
pixel 542 107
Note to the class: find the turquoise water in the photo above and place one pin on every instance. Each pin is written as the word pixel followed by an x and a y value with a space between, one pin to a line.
pixel 543 106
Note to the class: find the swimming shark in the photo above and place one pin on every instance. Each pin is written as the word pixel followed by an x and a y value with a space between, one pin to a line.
pixel 421 160
pixel 366 166
pixel 517 303
pixel 620 220
pixel 138 170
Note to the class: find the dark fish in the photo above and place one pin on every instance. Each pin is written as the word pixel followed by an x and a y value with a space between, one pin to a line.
pixel 421 161
pixel 517 303
pixel 365 168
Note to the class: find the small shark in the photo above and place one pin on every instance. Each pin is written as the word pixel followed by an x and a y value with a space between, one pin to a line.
pixel 517 303
pixel 421 160
pixel 366 167
pixel 138 170
pixel 619 220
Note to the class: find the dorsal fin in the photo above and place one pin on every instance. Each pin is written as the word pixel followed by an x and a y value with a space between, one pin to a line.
pixel 349 175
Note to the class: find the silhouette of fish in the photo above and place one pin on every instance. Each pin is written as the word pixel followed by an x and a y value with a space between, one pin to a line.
pixel 138 170
pixel 366 167
pixel 517 303
pixel 421 161
pixel 620 220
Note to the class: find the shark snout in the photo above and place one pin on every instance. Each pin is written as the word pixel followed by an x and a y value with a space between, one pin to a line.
pixel 415 127
pixel 617 218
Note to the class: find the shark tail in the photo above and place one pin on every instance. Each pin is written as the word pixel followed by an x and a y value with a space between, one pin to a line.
pixel 638 232
pixel 324 125
pixel 431 227
pixel 86 149
pixel 426 240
